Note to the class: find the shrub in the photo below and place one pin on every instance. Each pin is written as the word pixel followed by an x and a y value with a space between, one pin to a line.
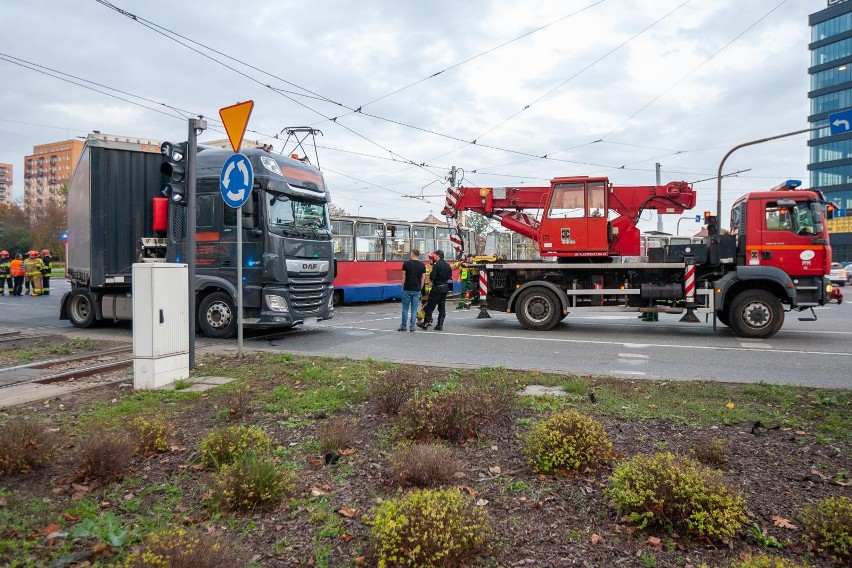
pixel 764 561
pixel 392 389
pixel 238 402
pixel 106 456
pixel 567 440
pixel 152 434
pixel 335 435
pixel 424 465
pixel 253 482
pixel 677 492
pixel 181 548
pixel 225 445
pixel 428 528
pixel 451 414
pixel 712 452
pixel 24 445
pixel 828 527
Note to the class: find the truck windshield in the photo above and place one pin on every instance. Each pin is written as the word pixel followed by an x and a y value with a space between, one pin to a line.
pixel 304 216
pixel 787 216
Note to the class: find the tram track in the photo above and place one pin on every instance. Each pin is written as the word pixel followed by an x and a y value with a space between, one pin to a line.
pixel 57 370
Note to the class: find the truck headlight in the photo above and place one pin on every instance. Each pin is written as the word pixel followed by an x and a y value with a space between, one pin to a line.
pixel 277 303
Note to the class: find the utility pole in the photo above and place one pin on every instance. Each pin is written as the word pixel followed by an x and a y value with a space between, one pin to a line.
pixel 659 215
pixel 452 178
pixel 196 126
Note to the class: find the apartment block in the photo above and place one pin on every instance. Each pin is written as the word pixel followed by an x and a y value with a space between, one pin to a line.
pixel 6 193
pixel 47 170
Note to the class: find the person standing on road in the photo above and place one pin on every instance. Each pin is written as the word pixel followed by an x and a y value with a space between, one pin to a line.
pixel 47 266
pixel 32 269
pixel 440 276
pixel 414 278
pixel 5 272
pixel 17 269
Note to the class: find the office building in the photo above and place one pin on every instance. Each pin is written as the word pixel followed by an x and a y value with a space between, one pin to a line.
pixel 831 91
pixel 6 194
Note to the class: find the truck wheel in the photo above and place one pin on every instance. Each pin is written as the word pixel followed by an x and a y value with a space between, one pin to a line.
pixel 756 314
pixel 217 316
pixel 81 309
pixel 337 297
pixel 538 309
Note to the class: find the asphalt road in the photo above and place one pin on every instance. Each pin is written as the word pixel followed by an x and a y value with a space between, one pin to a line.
pixel 806 353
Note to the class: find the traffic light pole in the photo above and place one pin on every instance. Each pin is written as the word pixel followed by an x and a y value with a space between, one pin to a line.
pixel 196 126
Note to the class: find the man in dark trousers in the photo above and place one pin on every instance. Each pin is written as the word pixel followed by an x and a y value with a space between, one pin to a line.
pixel 440 277
pixel 413 279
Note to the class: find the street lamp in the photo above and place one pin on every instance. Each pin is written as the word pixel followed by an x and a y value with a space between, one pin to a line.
pixel 359 210
pixel 696 217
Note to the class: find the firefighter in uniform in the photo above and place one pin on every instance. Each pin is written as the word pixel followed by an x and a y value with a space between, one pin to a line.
pixel 466 283
pixel 5 273
pixel 32 269
pixel 47 262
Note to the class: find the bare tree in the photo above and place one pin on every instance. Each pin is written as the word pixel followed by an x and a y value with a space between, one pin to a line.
pixel 336 210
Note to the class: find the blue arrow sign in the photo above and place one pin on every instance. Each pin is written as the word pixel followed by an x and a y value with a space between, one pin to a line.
pixel 236 180
pixel 840 122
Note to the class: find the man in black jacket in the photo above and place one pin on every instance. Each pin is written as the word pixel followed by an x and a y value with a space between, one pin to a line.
pixel 440 278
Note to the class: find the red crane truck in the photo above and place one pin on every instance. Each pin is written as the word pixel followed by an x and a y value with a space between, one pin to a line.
pixel 775 258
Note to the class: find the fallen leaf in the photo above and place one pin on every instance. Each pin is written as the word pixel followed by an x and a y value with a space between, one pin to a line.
pixel 69 517
pixel 595 538
pixel 79 487
pixel 99 548
pixel 652 406
pixel 481 502
pixel 317 492
pixel 105 504
pixel 325 487
pixel 49 529
pixel 493 448
pixel 469 490
pixel 495 469
pixel 730 406
pixel 77 495
pixel 348 512
pixel 198 467
pixel 459 475
pixel 347 451
pixel 536 505
pixel 801 432
pixel 361 560
pixel 298 383
pixel 315 462
pixel 782 522
pixel 346 537
pixel 279 527
pixel 655 542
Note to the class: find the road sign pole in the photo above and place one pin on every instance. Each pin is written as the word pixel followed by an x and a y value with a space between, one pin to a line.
pixel 240 281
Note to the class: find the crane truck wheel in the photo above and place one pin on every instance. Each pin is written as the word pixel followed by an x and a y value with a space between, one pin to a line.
pixel 538 309
pixel 81 309
pixel 337 297
pixel 217 316
pixel 756 314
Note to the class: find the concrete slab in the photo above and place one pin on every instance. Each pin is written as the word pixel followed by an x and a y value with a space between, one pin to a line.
pixel 541 390
pixel 201 384
pixel 32 392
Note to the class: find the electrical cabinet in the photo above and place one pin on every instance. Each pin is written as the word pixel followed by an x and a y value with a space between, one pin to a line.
pixel 160 324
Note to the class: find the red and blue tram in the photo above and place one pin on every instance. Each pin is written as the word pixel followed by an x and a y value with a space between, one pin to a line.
pixel 370 253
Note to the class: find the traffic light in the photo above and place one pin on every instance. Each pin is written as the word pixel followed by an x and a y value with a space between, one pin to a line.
pixel 174 168
pixel 712 223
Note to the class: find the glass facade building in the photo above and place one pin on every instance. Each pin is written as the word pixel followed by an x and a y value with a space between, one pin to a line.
pixel 831 91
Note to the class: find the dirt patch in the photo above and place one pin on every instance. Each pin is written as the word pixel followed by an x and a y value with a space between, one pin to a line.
pixel 553 520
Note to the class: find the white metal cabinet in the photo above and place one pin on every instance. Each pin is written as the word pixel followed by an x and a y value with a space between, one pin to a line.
pixel 160 324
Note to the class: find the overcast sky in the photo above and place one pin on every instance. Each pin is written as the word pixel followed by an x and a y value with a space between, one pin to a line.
pixel 665 81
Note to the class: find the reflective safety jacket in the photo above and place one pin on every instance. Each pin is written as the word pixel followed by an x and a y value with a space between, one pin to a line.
pixel 32 266
pixel 17 267
pixel 5 267
pixel 46 265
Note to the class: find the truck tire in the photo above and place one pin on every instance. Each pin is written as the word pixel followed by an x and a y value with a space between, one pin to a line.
pixel 756 314
pixel 217 316
pixel 337 298
pixel 81 309
pixel 538 309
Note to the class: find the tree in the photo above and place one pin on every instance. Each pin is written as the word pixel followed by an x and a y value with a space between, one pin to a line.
pixel 478 223
pixel 49 222
pixel 16 229
pixel 335 210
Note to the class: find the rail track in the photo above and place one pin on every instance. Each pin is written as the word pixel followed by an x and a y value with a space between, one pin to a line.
pixel 65 368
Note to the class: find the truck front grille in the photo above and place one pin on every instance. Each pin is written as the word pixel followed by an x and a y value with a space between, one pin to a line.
pixel 308 295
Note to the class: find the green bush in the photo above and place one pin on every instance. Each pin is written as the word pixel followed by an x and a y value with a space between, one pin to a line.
pixel 181 548
pixel 226 445
pixel 253 482
pixel 764 561
pixel 24 445
pixel 828 527
pixel 454 415
pixel 428 528
pixel 567 440
pixel 677 492
pixel 152 434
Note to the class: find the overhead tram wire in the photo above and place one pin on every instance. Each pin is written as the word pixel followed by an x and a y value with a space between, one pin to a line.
pixel 477 56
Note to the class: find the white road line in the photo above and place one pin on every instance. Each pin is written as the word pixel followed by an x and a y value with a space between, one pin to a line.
pixel 628 345
pixel 748 345
pixel 634 355
pixel 618 372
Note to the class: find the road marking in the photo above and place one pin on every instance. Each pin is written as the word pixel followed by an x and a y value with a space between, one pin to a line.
pixel 595 342
pixel 635 355
pixel 618 372
pixel 747 345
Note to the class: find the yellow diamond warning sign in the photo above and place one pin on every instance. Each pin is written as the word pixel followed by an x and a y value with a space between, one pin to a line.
pixel 236 119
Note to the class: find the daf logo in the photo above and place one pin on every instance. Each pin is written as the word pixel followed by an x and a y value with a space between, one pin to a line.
pixel 310 266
